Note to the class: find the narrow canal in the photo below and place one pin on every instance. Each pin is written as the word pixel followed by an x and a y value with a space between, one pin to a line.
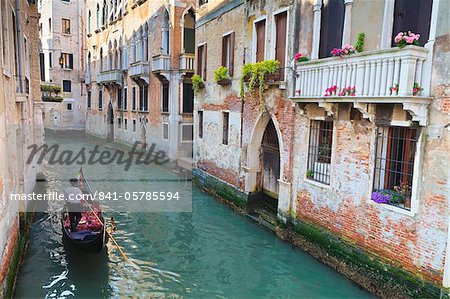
pixel 209 252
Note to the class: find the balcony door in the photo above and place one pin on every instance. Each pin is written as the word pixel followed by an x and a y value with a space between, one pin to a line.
pixel 414 16
pixel 331 26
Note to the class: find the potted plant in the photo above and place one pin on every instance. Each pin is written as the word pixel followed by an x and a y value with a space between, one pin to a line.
pixel 360 42
pixel 197 83
pixel 417 89
pixel 300 58
pixel 402 39
pixel 346 50
pixel 221 76
pixel 310 174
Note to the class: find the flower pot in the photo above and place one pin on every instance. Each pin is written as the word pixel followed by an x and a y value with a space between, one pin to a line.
pixel 224 81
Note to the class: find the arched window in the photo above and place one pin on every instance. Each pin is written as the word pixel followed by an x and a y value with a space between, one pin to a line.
pixel 133 48
pixel 88 67
pixel 146 45
pixel 189 32
pixel 116 56
pixel 89 22
pixel 101 60
pixel 98 16
pixel 104 13
pixel 110 56
pixel 165 34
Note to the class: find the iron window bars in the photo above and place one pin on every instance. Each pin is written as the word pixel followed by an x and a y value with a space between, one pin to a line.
pixel 319 152
pixel 395 149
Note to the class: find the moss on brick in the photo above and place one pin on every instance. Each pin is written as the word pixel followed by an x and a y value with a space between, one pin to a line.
pixel 368 270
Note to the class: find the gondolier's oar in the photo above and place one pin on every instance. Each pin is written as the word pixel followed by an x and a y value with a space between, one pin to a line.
pixel 125 257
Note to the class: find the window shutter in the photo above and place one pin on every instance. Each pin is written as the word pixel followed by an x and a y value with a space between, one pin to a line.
pixel 231 70
pixel 205 53
pixel 199 60
pixel 224 50
pixel 71 61
pixel 260 40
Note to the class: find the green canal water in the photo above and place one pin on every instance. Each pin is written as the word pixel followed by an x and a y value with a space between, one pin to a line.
pixel 210 252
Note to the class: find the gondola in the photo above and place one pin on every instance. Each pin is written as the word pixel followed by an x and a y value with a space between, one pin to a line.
pixel 81 228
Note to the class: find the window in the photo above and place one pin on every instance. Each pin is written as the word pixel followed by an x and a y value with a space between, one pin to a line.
pixel 69 106
pixel 125 99
pixel 50 59
pixel 188 98
pixel 16 52
pixel 200 124
pixel 331 26
pixel 187 132
pixel 65 26
pixel 228 52
pixel 5 34
pixel 100 100
pixel 143 98
pixel 201 2
pixel 225 124
pixel 125 124
pixel 165 97
pixel 414 16
pixel 319 152
pixel 67 86
pixel 50 25
pixel 165 129
pixel 134 125
pixel 189 32
pixel 201 61
pixel 119 99
pixel 133 99
pixel 42 65
pixel 89 22
pixel 98 16
pixel 394 163
pixel 260 29
pixel 89 99
pixel 119 122
pixel 280 43
pixel 67 60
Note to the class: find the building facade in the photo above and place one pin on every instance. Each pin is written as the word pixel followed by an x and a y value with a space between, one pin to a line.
pixel 140 59
pixel 20 120
pixel 63 41
pixel 356 144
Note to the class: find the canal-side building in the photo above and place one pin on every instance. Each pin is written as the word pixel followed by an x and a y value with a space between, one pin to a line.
pixel 20 124
pixel 140 59
pixel 62 32
pixel 354 143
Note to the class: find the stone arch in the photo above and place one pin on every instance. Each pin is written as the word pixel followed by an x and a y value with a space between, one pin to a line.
pixel 187 23
pixel 254 147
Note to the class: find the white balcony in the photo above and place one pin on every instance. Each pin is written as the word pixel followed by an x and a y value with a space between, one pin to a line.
pixel 372 73
pixel 140 71
pixel 111 77
pixel 187 62
pixel 161 63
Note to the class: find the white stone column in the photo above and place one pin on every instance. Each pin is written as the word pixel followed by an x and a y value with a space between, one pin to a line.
pixel 317 8
pixel 174 116
pixel 388 22
pixel 346 36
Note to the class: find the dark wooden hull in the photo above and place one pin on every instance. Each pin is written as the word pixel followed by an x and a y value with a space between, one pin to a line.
pixel 92 244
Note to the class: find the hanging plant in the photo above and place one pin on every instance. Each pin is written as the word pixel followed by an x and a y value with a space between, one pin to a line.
pixel 221 76
pixel 197 83
pixel 255 74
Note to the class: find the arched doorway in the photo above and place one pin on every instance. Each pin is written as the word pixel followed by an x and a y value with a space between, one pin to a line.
pixel 110 123
pixel 270 160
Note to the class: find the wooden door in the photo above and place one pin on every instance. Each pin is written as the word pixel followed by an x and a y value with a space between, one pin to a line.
pixel 414 16
pixel 331 26
pixel 270 154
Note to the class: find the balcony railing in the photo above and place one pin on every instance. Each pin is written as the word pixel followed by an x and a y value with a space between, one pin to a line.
pixel 114 77
pixel 140 71
pixel 187 62
pixel 160 63
pixel 372 73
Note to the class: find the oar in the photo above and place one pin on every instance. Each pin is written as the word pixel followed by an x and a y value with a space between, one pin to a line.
pixel 114 240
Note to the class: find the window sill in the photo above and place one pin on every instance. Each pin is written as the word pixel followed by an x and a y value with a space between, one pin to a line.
pixel 317 184
pixel 395 209
pixel 165 113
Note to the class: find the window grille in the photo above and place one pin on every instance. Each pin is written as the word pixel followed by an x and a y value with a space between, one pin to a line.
pixel 395 149
pixel 320 149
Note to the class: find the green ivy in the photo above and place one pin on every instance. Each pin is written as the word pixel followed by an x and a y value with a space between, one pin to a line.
pixel 197 83
pixel 360 42
pixel 256 73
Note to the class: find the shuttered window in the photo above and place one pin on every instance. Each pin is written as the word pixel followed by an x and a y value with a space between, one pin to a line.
pixel 201 61
pixel 225 124
pixel 67 86
pixel 414 16
pixel 228 52
pixel 89 99
pixel 165 97
pixel 67 60
pixel 260 40
pixel 133 99
pixel 200 124
pixel 125 99
pixel 188 98
pixel 280 44
pixel 331 26
pixel 42 65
